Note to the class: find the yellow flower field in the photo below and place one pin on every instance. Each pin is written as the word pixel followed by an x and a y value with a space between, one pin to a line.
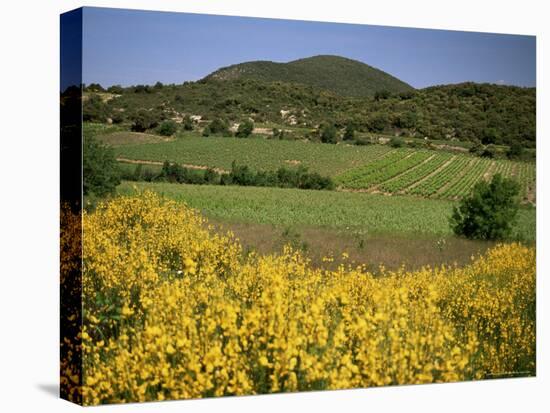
pixel 171 310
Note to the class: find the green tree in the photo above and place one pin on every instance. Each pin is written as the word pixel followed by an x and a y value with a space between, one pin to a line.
pixel 489 152
pixel 381 95
pixel 187 123
pixel 94 109
pixel 168 128
pixel 116 90
pixel 396 142
pixel 219 126
pixel 379 122
pixel 100 171
pixel 489 212
pixel 489 136
pixel 142 120
pixel 245 129
pixel 95 87
pixel 328 134
pixel 515 151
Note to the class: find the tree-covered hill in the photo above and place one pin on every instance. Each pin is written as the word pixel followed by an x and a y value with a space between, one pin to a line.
pixel 482 114
pixel 339 75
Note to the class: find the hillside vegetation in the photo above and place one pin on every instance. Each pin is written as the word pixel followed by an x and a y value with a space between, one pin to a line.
pixel 339 75
pixel 478 114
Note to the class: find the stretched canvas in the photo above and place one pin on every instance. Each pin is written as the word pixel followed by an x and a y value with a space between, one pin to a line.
pixel 254 206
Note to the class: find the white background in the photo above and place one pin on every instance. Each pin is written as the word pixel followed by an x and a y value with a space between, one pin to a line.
pixel 29 175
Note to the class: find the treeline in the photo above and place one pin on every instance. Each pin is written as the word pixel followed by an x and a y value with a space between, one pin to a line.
pixel 241 175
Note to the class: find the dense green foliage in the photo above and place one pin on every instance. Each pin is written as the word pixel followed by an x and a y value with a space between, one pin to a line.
pixel 144 119
pixel 94 109
pixel 328 134
pixel 99 168
pixel 245 129
pixel 241 175
pixel 490 212
pixel 339 75
pixel 467 112
pixel 167 128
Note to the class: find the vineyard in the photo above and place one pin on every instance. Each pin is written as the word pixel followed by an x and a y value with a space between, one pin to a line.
pixel 434 174
pixel 371 168
pixel 257 153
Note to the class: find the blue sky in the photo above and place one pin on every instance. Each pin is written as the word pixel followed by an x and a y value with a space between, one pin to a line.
pixel 130 47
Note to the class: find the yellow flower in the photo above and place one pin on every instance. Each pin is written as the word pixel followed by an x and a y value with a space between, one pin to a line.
pixel 127 311
pixel 242 313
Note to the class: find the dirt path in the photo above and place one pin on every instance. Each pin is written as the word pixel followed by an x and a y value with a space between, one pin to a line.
pixel 185 165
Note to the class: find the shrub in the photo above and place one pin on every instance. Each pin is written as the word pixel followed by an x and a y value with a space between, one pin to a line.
pixel 118 117
pixel 477 149
pixel 328 134
pixel 168 128
pixel 362 141
pixel 488 152
pixel 378 122
pixel 490 212
pixel 219 127
pixel 349 133
pixel 115 89
pixel 100 173
pixel 396 142
pixel 187 123
pixel 381 95
pixel 94 109
pixel 490 136
pixel 245 129
pixel 95 87
pixel 515 151
pixel 142 120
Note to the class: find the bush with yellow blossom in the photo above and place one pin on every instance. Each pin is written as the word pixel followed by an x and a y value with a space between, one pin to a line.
pixel 173 311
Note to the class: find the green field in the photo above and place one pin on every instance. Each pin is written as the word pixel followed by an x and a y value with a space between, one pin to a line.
pixel 353 212
pixel 257 153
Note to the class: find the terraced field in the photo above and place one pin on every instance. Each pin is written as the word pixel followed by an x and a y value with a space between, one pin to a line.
pixel 434 174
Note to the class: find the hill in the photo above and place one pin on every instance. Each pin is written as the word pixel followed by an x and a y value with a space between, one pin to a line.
pixel 339 75
pixel 468 112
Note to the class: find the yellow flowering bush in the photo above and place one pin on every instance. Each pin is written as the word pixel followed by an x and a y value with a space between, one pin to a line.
pixel 173 311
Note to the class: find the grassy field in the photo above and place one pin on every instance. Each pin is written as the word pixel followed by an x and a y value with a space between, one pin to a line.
pixel 373 213
pixel 373 229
